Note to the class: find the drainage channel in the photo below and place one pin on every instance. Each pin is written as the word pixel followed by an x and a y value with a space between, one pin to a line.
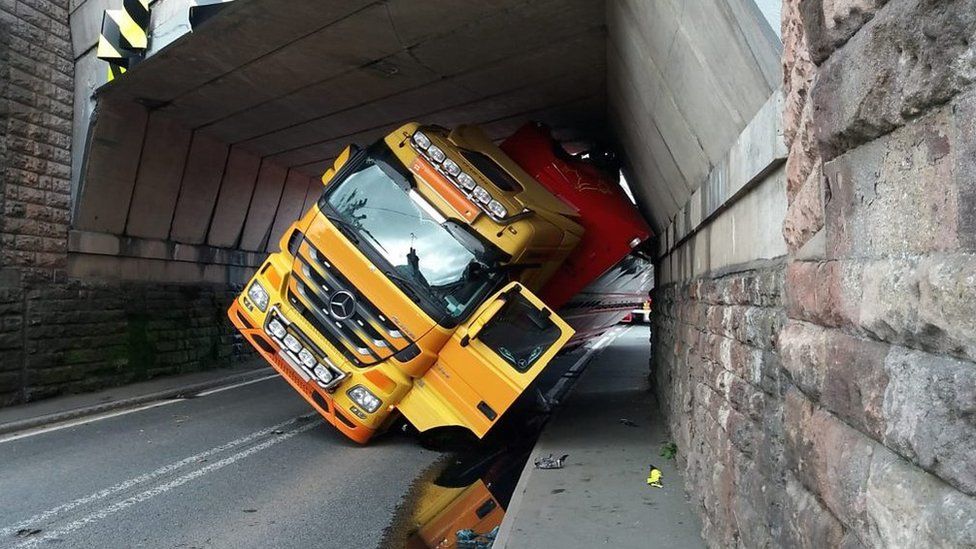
pixel 460 501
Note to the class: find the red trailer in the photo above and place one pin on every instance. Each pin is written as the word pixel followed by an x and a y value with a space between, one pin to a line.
pixel 603 279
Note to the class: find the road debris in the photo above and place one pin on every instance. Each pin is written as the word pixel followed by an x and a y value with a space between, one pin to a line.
pixel 549 462
pixel 654 477
pixel 627 422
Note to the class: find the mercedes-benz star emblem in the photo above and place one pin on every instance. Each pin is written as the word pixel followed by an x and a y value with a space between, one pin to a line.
pixel 342 305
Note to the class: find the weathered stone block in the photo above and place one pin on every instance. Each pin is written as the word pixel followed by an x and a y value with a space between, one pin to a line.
pixel 820 292
pixel 808 524
pixel 830 23
pixel 930 414
pixel 946 306
pixel 877 188
pixel 910 508
pixel 798 71
pixel 805 214
pixel 883 499
pixel 912 55
pixel 829 458
pixel 923 303
pixel 855 381
pixel 803 348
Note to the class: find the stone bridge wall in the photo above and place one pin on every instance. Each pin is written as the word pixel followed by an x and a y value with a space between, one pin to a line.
pixel 851 423
pixel 58 335
pixel 717 370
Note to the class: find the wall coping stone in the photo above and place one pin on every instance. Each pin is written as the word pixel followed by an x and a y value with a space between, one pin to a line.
pixel 758 151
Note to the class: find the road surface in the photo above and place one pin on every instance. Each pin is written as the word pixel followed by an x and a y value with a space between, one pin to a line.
pixel 245 467
pixel 237 467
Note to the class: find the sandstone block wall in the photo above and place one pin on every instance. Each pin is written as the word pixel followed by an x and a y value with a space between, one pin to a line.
pixel 36 97
pixel 81 336
pixel 879 344
pixel 59 335
pixel 857 427
pixel 718 373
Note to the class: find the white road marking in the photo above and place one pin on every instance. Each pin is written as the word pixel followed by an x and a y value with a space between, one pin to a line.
pixel 86 420
pixel 127 484
pixel 236 385
pixel 161 489
pixel 116 413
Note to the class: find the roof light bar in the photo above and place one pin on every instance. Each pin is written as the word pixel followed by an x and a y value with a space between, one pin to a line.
pixel 479 195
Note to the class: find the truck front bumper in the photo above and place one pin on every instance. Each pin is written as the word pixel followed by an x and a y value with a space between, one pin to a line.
pixel 317 397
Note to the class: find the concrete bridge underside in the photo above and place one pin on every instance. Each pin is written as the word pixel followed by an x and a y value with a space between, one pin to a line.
pixel 200 157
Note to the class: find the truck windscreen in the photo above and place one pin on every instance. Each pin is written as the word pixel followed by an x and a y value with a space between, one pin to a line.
pixel 413 239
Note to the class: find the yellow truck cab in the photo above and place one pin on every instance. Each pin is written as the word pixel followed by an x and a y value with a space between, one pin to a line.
pixel 409 285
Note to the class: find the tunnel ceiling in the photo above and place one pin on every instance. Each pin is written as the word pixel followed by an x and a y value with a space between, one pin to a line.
pixel 294 82
pixel 200 156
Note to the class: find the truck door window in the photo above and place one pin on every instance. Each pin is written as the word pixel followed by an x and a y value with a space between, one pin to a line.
pixel 520 333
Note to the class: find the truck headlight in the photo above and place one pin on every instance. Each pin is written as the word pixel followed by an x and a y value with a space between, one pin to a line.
pixel 421 140
pixel 436 154
pixel 292 343
pixel 466 181
pixel 276 329
pixel 323 373
pixel 497 210
pixel 481 194
pixel 307 358
pixel 365 399
pixel 451 167
pixel 258 295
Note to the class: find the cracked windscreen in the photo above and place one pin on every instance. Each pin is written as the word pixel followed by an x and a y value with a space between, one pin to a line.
pixel 421 247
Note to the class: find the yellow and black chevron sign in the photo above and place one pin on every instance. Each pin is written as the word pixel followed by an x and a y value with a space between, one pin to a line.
pixel 125 36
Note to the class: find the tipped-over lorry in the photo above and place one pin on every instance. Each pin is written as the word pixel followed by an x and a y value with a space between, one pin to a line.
pixel 438 274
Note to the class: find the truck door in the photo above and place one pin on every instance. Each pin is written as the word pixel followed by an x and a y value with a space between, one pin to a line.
pixel 487 363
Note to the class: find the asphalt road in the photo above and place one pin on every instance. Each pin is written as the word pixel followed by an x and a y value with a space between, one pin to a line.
pixel 245 467
pixel 240 467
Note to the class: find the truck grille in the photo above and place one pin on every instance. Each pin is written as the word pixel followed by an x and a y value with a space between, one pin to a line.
pixel 367 336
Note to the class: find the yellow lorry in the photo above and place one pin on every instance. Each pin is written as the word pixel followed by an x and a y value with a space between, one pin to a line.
pixel 409 286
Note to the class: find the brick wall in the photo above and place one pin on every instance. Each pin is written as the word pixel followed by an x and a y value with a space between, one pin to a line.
pixel 59 335
pixel 38 96
pixel 852 424
pixel 717 369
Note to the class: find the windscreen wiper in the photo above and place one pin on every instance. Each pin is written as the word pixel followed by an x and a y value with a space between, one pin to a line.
pixel 404 285
pixel 345 227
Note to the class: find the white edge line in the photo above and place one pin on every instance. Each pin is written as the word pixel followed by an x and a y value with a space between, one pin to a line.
pixel 87 420
pixel 236 385
pixel 107 415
